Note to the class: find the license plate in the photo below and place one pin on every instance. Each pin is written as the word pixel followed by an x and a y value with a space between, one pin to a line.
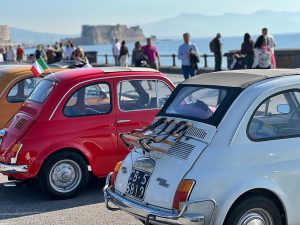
pixel 137 183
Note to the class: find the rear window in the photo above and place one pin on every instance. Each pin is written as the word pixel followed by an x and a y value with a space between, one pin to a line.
pixel 197 102
pixel 201 103
pixel 42 90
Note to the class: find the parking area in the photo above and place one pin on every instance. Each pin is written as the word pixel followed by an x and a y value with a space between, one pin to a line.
pixel 28 205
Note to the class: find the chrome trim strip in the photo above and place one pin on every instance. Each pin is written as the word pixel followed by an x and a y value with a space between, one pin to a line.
pixel 7 168
pixel 91 80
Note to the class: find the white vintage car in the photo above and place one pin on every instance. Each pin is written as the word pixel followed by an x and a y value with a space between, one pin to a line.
pixel 225 149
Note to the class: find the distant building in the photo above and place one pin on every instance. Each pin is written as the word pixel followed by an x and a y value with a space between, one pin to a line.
pixel 104 34
pixel 4 35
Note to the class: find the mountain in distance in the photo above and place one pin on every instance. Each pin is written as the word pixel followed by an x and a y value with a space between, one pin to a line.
pixel 22 36
pixel 230 24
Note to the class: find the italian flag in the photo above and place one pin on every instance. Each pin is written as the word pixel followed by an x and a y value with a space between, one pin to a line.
pixel 38 67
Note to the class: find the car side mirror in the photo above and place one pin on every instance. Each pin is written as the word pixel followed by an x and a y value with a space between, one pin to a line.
pixel 283 108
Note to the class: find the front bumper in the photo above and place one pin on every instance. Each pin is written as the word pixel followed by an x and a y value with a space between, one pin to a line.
pixel 13 169
pixel 150 215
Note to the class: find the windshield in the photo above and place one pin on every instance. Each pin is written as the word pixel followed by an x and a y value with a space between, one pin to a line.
pixel 201 103
pixel 42 90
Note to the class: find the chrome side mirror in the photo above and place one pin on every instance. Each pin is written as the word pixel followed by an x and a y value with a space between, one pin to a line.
pixel 283 108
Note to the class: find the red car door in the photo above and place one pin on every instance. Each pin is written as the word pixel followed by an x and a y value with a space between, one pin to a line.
pixel 90 122
pixel 137 103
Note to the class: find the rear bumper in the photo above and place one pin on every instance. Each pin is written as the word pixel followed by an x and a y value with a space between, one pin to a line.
pixel 13 169
pixel 153 216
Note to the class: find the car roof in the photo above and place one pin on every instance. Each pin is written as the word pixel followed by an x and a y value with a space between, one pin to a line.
pixel 109 71
pixel 239 78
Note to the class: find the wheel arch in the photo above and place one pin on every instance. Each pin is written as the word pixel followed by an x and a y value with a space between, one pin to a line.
pixel 73 150
pixel 260 192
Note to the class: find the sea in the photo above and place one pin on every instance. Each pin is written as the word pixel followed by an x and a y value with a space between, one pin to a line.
pixel 167 47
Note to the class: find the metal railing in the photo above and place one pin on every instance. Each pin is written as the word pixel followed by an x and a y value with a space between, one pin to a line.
pixel 172 56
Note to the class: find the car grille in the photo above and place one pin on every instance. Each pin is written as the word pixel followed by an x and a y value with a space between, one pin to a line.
pixel 196 133
pixel 181 150
pixel 21 123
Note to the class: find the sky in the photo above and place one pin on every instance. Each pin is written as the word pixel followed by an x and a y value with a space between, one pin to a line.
pixel 67 16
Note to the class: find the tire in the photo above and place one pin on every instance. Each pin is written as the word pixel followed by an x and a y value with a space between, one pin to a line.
pixel 255 210
pixel 63 175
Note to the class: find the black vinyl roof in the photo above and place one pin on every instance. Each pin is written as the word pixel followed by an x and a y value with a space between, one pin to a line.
pixel 239 78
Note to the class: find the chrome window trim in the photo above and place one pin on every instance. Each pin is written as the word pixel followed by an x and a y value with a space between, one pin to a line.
pixel 12 81
pixel 135 110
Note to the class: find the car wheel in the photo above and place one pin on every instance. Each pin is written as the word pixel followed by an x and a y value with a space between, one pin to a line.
pixel 255 210
pixel 63 175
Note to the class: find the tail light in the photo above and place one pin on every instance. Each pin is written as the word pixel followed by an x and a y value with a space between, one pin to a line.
pixel 2 134
pixel 15 152
pixel 183 193
pixel 115 173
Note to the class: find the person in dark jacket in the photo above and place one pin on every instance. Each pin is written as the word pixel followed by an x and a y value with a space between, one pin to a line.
pixel 123 58
pixel 217 49
pixel 247 50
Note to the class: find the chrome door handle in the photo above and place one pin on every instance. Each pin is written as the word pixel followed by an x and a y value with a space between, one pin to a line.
pixel 123 121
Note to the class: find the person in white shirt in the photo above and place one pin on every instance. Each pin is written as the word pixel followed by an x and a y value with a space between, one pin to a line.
pixel 116 51
pixel 10 54
pixel 271 44
pixel 1 58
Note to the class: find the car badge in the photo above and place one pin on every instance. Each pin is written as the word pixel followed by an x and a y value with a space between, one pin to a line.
pixel 162 182
pixel 124 170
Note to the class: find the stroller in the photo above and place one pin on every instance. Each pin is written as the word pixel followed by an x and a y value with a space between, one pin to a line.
pixel 238 62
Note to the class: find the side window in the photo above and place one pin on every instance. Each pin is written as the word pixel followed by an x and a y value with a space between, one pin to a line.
pixel 22 89
pixel 163 93
pixel 277 117
pixel 142 94
pixel 94 99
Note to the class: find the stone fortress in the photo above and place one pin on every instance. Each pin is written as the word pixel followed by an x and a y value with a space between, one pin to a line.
pixel 105 34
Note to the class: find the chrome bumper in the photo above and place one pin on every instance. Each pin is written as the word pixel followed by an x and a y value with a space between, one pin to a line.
pixel 9 168
pixel 150 215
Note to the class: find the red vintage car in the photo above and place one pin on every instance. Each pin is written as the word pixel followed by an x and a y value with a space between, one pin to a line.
pixel 70 125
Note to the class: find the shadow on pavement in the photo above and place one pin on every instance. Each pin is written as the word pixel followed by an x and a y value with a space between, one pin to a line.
pixel 23 201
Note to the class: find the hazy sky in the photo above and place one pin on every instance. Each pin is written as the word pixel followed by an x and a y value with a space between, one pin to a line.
pixel 67 16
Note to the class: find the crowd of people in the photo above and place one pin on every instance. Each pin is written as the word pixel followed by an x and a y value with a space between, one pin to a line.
pixel 252 55
pixel 51 53
pixel 258 54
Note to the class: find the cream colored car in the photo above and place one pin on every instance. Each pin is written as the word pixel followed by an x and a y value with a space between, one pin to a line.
pixel 224 149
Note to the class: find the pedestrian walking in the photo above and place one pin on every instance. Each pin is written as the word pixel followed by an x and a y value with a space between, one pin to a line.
pixel 20 54
pixel 116 51
pixel 137 58
pixel 59 52
pixel 271 44
pixel 216 47
pixel 50 54
pixel 40 53
pixel 10 54
pixel 262 54
pixel 247 51
pixel 151 52
pixel 123 58
pixel 186 53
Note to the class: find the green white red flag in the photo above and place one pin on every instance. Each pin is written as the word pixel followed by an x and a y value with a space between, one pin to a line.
pixel 38 67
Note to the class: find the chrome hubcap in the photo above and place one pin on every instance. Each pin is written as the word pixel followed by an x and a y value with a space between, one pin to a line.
pixel 65 176
pixel 256 216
